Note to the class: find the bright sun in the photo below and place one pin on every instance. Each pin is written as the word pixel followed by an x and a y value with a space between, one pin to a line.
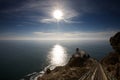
pixel 58 14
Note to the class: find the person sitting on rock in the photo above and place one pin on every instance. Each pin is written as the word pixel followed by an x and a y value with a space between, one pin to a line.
pixel 79 53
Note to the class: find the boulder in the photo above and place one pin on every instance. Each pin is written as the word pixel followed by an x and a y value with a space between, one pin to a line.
pixel 115 42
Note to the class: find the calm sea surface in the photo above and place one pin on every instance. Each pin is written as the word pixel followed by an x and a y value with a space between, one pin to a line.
pixel 19 58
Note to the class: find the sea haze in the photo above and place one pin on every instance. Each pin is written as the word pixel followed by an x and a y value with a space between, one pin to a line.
pixel 19 58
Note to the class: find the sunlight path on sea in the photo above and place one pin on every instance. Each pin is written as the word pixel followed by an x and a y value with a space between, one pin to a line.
pixel 58 55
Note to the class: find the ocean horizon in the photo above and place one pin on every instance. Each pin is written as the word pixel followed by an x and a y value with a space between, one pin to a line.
pixel 21 57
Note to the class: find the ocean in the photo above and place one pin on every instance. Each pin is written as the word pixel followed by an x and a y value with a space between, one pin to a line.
pixel 21 57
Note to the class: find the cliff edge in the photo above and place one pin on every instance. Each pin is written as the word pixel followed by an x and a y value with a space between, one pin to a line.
pixel 73 70
pixel 111 62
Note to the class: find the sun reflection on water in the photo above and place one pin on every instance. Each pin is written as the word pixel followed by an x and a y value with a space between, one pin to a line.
pixel 58 56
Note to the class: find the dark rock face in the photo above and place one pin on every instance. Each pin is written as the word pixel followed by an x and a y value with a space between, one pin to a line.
pixel 77 61
pixel 111 62
pixel 115 42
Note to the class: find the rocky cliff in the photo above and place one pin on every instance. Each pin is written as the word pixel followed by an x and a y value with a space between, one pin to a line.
pixel 115 42
pixel 111 62
pixel 75 68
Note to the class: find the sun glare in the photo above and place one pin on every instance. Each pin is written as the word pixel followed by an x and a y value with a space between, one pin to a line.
pixel 58 14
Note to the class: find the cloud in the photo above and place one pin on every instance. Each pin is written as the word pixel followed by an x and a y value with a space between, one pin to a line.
pixel 70 21
pixel 75 35
pixel 44 10
pixel 54 21
pixel 70 7
pixel 61 36
pixel 48 20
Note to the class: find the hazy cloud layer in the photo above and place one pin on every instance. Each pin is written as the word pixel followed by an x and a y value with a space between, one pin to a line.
pixel 62 36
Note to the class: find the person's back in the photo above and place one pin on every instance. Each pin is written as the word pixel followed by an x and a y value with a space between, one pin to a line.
pixel 77 53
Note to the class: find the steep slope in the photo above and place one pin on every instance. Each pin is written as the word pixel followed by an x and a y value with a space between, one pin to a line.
pixel 75 68
pixel 111 62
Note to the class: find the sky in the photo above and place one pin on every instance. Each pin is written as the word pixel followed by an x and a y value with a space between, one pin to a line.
pixel 82 19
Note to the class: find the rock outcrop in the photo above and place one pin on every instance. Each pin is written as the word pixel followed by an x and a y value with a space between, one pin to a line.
pixel 75 68
pixel 115 42
pixel 111 62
